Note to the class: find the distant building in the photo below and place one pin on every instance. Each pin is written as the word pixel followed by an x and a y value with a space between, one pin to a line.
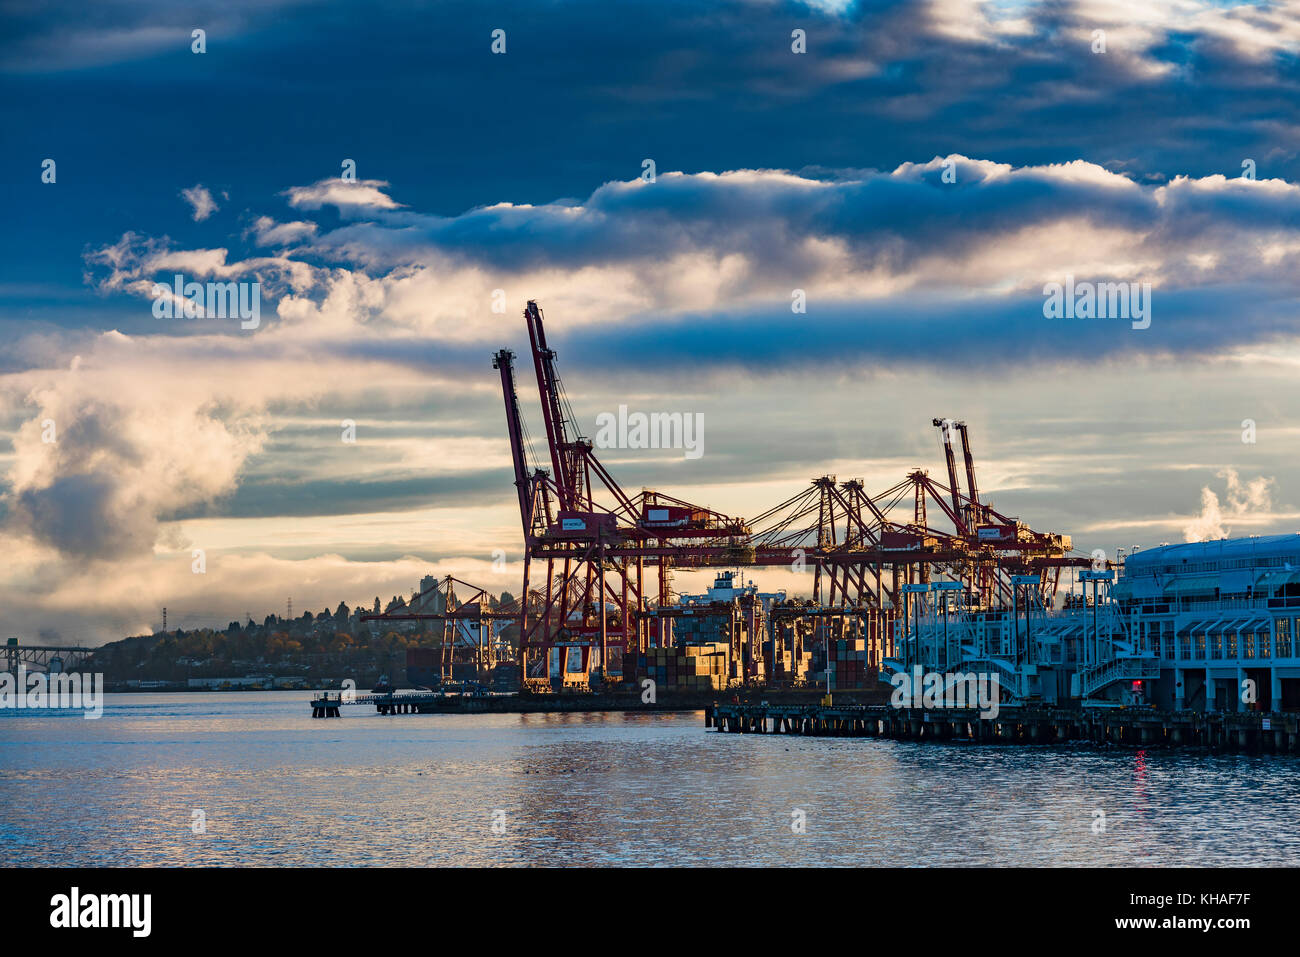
pixel 248 681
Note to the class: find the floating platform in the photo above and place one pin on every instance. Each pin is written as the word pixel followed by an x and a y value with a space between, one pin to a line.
pixel 1250 731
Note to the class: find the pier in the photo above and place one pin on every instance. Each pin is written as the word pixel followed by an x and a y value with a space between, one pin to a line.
pixel 432 702
pixel 326 707
pixel 1250 731
pixel 385 703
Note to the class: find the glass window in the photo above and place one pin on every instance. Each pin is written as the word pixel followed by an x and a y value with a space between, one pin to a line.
pixel 1232 645
pixel 1264 645
pixel 1216 645
pixel 1248 649
pixel 1200 644
pixel 1185 647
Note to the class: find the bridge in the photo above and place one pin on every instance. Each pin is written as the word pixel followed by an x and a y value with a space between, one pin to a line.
pixel 41 657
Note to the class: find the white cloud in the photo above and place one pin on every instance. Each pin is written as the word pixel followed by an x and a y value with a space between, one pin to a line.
pixel 1244 500
pixel 201 202
pixel 268 232
pixel 344 195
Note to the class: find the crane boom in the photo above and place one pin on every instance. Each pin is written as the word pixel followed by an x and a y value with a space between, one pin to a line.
pixel 548 387
pixel 972 488
pixel 504 361
pixel 954 485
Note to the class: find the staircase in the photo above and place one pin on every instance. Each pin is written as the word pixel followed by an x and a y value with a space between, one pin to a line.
pixel 1121 668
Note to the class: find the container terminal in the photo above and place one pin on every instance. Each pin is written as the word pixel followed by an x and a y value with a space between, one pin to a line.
pixel 926 577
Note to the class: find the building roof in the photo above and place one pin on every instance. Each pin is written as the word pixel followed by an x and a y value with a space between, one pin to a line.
pixel 1223 549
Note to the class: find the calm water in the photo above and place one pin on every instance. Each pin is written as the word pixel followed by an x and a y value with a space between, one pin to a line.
pixel 279 788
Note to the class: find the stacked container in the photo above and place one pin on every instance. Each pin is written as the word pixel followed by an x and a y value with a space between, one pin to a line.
pixel 848 663
pixel 688 668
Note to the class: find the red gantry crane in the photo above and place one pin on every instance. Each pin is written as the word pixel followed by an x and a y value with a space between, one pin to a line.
pixel 596 542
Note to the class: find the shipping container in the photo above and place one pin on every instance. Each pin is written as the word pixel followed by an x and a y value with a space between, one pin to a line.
pixel 583 525
pixel 672 516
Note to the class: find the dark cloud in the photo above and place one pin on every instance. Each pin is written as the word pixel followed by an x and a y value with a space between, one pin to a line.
pixel 977 333
pixel 76 515
pixel 589 89
pixel 349 495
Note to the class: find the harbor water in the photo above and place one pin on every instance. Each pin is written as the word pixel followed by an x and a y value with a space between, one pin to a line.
pixel 251 779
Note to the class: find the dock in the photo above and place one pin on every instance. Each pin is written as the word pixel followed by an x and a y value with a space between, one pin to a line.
pixel 326 707
pixel 432 702
pixel 1249 731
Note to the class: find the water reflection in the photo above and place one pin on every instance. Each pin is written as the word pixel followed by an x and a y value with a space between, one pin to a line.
pixel 279 788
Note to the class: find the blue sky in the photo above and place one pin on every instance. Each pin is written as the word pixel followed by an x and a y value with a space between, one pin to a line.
pixel 822 171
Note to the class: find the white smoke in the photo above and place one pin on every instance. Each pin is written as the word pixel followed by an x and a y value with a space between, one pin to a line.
pixel 1242 499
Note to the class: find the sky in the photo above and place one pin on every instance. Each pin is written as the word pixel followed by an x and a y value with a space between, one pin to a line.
pixel 856 215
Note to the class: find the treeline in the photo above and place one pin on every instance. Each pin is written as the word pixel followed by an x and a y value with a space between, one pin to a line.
pixel 322 645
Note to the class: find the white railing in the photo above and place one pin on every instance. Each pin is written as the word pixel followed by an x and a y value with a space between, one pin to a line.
pixel 1118 669
pixel 1186 606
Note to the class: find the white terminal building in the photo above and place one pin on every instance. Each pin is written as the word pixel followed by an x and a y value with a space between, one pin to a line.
pixel 1208 626
pixel 1214 615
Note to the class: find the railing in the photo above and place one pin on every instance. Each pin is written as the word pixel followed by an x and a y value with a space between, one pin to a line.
pixel 1207 659
pixel 1184 605
pixel 1118 669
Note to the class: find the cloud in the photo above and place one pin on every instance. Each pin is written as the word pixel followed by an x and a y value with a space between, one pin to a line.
pixel 344 195
pixel 379 304
pixel 134 263
pixel 900 265
pixel 119 31
pixel 200 201
pixel 1198 85
pixel 267 232
pixel 676 281
pixel 965 259
pixel 1244 500
pixel 121 460
pixel 89 603
pixel 953 251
